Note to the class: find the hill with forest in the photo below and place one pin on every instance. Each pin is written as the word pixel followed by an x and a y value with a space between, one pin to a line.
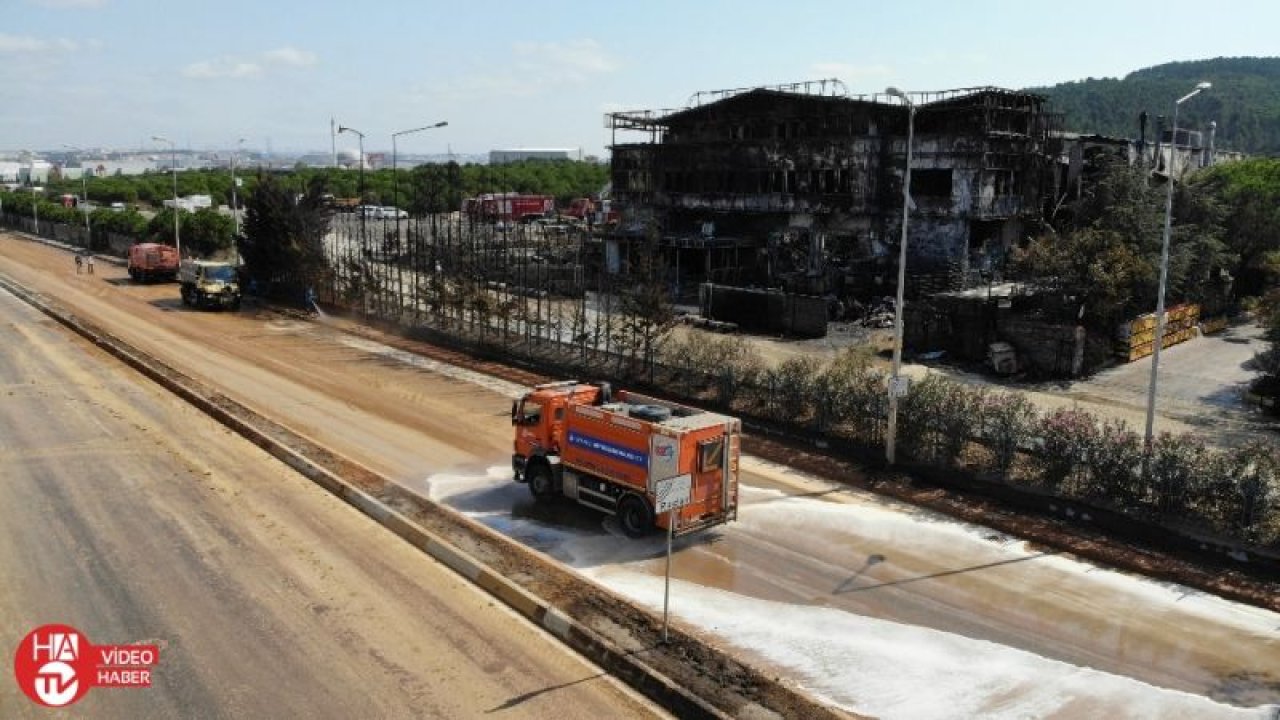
pixel 1244 101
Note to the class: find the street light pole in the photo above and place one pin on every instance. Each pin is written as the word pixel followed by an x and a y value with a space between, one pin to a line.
pixel 896 387
pixel 1164 266
pixel 235 205
pixel 360 208
pixel 35 197
pixel 84 195
pixel 395 190
pixel 173 155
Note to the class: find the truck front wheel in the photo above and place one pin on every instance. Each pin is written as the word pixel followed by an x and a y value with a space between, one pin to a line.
pixel 541 483
pixel 635 516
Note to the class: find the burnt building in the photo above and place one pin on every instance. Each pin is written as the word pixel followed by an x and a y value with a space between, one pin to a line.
pixel 800 186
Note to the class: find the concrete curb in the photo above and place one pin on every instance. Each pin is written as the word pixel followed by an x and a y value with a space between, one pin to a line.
pixel 622 664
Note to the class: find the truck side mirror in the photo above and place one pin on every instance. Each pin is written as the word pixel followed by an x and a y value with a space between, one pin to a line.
pixel 513 413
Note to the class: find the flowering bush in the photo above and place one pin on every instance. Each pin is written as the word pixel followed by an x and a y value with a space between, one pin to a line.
pixel 937 419
pixel 1068 436
pixel 1009 423
pixel 1115 465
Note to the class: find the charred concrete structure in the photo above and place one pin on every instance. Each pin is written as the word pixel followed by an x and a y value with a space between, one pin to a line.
pixel 800 186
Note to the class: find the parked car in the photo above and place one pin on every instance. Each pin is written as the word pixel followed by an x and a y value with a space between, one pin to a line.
pixel 369 211
pixel 393 213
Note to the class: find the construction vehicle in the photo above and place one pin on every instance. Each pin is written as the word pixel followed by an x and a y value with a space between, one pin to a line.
pixel 209 283
pixel 610 452
pixel 152 261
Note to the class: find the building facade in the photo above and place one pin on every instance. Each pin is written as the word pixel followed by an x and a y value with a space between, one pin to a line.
pixel 801 187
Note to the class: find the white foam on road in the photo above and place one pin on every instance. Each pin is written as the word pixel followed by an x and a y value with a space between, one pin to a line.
pixel 891 670
pixel 864 664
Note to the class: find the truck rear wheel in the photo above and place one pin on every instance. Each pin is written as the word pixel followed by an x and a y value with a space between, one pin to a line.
pixel 541 483
pixel 635 516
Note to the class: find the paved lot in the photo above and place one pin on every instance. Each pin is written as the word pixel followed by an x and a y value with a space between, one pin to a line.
pixel 1200 388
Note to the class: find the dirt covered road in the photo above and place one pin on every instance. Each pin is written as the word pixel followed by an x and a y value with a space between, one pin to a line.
pixel 862 601
pixel 136 519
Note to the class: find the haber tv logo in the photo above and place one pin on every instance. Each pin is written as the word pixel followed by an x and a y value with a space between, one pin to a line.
pixel 56 665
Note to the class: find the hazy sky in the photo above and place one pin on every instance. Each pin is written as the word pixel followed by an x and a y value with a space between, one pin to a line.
pixel 535 73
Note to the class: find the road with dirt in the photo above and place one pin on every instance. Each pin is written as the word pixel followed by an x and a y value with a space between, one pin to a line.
pixel 135 518
pixel 870 605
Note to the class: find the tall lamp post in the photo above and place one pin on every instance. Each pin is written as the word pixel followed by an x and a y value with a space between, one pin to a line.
pixel 395 191
pixel 35 197
pixel 1164 266
pixel 359 208
pixel 173 155
pixel 897 388
pixel 395 168
pixel 357 133
pixel 235 205
pixel 84 195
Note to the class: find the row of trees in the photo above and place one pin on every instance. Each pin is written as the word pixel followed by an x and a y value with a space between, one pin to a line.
pixel 1104 250
pixel 422 189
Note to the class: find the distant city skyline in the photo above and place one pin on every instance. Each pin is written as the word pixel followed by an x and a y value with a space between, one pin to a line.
pixel 113 73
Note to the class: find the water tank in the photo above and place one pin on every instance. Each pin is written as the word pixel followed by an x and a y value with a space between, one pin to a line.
pixel 651 413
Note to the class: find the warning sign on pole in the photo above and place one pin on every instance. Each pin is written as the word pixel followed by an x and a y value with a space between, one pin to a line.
pixel 673 493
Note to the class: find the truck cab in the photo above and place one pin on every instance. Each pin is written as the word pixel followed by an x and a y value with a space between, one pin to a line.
pixel 209 283
pixel 539 419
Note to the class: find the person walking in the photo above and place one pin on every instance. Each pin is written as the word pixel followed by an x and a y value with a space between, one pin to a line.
pixel 79 263
pixel 89 262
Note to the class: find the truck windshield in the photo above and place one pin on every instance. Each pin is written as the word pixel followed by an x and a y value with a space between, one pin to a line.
pixel 530 412
pixel 222 273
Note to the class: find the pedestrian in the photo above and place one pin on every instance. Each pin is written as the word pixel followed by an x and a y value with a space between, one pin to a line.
pixel 89 262
pixel 79 263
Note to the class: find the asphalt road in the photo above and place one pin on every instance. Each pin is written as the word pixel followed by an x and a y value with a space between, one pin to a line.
pixel 804 548
pixel 136 519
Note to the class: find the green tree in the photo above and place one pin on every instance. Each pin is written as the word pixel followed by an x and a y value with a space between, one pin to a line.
pixel 208 233
pixel 283 235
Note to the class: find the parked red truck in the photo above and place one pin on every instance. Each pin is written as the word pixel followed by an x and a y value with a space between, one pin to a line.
pixel 152 261
pixel 609 452
pixel 509 206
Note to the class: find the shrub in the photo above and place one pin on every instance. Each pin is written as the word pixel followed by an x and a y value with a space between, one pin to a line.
pixel 791 387
pixel 1009 424
pixel 1256 495
pixel 852 393
pixel 937 418
pixel 1115 465
pixel 1172 471
pixel 1068 436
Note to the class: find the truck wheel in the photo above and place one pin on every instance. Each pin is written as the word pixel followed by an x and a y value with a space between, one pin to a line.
pixel 635 516
pixel 541 484
pixel 186 296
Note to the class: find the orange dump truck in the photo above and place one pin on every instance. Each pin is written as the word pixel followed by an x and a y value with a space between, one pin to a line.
pixel 609 452
pixel 152 261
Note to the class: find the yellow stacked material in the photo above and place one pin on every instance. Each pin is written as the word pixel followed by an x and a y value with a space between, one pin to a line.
pixel 1213 325
pixel 1136 339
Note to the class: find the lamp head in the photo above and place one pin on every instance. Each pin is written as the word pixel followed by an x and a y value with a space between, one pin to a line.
pixel 1204 86
pixel 442 123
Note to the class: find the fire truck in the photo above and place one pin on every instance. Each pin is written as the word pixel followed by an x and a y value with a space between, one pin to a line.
pixel 610 452
pixel 509 206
